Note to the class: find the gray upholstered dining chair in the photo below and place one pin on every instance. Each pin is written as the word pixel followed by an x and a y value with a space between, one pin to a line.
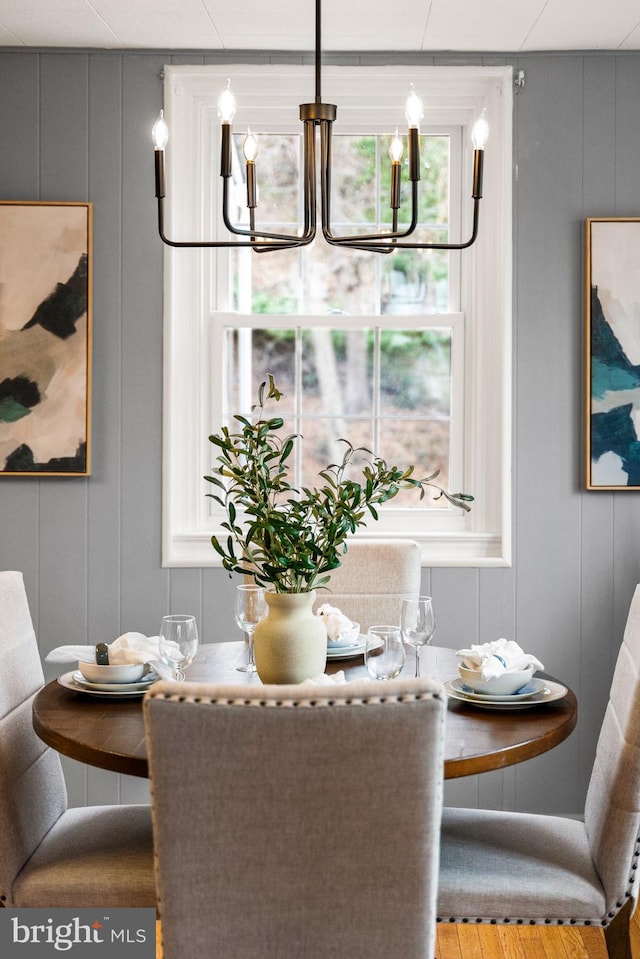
pixel 516 868
pixel 297 820
pixel 52 855
pixel 372 578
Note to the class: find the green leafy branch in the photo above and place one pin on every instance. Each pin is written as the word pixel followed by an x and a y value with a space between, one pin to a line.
pixel 286 538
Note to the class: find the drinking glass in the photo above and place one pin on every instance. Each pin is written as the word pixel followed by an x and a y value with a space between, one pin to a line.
pixel 178 642
pixel 384 652
pixel 251 607
pixel 418 623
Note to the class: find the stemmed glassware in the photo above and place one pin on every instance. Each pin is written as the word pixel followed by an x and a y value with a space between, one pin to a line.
pixel 250 608
pixel 384 652
pixel 418 623
pixel 178 643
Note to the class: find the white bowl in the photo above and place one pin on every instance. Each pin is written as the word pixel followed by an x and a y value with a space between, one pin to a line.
pixel 348 639
pixel 128 673
pixel 503 685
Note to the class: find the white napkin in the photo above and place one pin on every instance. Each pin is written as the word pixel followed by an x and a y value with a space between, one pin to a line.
pixel 338 625
pixel 128 648
pixel 323 679
pixel 494 659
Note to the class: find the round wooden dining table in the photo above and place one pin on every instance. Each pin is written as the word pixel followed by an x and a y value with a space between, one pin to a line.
pixel 108 732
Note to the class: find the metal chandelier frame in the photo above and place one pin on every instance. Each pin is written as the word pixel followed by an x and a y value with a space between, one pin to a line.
pixel 314 115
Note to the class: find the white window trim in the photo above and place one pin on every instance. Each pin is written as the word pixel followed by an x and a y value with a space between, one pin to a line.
pixel 193 276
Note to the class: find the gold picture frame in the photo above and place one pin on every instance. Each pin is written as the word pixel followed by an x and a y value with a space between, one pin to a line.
pixel 45 338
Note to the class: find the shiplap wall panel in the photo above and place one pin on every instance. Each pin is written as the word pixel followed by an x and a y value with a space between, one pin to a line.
pixel 218 595
pixel 145 586
pixel 597 541
pixel 455 593
pixel 20 155
pixel 105 488
pixel 76 126
pixel 548 378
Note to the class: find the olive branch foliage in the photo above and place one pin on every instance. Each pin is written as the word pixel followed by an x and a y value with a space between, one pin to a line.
pixel 286 538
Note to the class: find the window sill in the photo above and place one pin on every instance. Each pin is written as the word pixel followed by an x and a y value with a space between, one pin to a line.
pixel 465 549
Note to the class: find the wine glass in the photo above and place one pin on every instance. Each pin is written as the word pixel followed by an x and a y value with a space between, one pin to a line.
pixel 418 623
pixel 250 608
pixel 384 652
pixel 178 642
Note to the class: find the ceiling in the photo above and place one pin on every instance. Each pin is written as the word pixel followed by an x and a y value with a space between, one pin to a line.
pixel 406 25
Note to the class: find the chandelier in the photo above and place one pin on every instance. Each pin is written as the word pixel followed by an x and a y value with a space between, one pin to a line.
pixel 322 115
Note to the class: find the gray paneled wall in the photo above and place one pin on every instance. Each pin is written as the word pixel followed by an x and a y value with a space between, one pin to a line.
pixel 75 127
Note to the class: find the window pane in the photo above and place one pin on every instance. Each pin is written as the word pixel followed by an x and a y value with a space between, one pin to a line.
pixel 422 443
pixel 336 369
pixel 416 281
pixel 339 281
pixel 321 446
pixel 415 404
pixel 250 356
pixel 266 282
pixel 415 372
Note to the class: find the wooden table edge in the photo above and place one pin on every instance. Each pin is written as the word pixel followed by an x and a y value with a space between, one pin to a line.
pixel 510 756
pixel 83 753
pixel 454 768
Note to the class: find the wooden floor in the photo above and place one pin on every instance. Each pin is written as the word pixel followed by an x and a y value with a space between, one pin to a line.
pixel 513 942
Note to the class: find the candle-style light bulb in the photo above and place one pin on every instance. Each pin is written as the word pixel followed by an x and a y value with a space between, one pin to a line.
pixel 250 150
pixel 160 132
pixel 250 147
pixel 480 132
pixel 396 149
pixel 413 109
pixel 395 153
pixel 227 104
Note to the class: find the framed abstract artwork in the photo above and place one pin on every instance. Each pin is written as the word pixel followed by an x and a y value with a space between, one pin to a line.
pixel 612 354
pixel 45 338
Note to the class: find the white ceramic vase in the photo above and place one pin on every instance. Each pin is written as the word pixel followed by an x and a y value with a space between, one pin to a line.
pixel 290 643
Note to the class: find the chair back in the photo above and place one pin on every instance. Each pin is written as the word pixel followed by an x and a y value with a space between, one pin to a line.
pixel 33 794
pixel 612 809
pixel 373 576
pixel 297 820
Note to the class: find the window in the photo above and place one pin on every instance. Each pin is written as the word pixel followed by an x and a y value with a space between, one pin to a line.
pixel 408 354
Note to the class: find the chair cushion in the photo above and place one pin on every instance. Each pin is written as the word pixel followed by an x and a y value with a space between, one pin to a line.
pixel 509 866
pixel 93 856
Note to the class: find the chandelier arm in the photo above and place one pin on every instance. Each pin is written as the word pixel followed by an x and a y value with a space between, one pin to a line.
pixel 309 191
pixel 352 240
pixel 212 244
pixel 392 245
pixel 288 239
pixel 309 174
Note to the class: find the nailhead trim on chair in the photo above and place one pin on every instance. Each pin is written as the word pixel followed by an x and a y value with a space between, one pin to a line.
pixel 558 922
pixel 300 701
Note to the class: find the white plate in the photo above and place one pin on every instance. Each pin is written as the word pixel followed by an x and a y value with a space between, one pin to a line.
pixel 346 652
pixel 121 689
pixel 113 687
pixel 548 694
pixel 533 686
